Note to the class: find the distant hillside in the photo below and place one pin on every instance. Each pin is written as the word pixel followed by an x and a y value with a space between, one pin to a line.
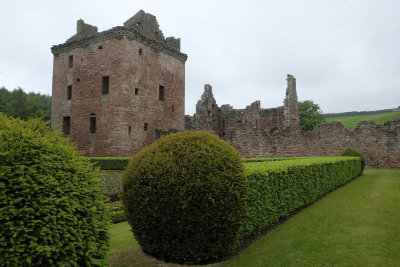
pixel 357 113
pixel 350 121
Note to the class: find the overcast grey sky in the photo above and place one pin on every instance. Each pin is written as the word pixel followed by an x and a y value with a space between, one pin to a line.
pixel 344 54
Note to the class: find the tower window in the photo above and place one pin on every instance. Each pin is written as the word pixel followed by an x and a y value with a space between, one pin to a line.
pixel 140 51
pixel 129 130
pixel 70 61
pixel 106 82
pixel 173 108
pixel 145 126
pixel 66 125
pixel 100 47
pixel 161 92
pixel 69 92
pixel 92 123
pixel 136 91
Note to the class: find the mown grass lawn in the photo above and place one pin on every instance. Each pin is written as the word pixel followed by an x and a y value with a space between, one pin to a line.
pixel 356 225
pixel 350 122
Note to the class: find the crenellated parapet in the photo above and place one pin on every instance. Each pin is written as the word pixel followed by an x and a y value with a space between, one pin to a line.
pixel 142 27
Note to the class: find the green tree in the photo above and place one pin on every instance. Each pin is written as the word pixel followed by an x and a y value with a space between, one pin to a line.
pixel 4 99
pixel 310 115
pixel 19 104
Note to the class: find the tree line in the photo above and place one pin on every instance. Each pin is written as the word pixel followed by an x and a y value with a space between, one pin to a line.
pixel 19 104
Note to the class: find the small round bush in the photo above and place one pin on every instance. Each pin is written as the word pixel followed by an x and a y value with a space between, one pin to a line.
pixel 354 153
pixel 51 207
pixel 185 197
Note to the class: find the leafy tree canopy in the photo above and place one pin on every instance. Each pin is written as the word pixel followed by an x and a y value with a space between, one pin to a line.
pixel 310 115
pixel 19 104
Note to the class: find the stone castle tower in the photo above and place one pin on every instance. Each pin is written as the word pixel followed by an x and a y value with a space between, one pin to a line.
pixel 116 91
pixel 230 123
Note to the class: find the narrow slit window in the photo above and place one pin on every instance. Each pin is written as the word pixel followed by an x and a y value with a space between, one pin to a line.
pixel 66 125
pixel 92 123
pixel 140 51
pixel 145 126
pixel 173 108
pixel 100 47
pixel 78 80
pixel 106 85
pixel 161 91
pixel 136 91
pixel 70 61
pixel 69 92
pixel 129 130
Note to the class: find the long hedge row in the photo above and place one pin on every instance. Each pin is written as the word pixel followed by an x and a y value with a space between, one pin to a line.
pixel 278 188
pixel 110 163
pixel 120 163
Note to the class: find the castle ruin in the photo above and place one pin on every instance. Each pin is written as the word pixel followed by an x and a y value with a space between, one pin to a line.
pixel 227 122
pixel 119 90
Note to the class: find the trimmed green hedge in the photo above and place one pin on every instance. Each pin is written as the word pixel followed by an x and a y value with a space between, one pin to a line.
pixel 351 152
pixel 117 213
pixel 51 207
pixel 110 163
pixel 278 188
pixel 120 163
pixel 185 197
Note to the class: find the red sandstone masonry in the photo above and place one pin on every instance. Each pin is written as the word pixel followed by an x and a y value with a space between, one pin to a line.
pixel 120 109
pixel 380 144
pixel 258 133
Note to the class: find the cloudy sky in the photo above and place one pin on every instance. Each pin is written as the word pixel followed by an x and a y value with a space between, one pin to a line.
pixel 344 54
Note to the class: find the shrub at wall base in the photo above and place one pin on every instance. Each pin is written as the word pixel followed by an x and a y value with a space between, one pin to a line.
pixel 51 206
pixel 185 196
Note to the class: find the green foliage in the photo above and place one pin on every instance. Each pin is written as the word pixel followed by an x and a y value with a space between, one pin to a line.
pixel 278 188
pixel 185 197
pixel 328 233
pixel 117 212
pixel 387 123
pixel 51 206
pixel 19 104
pixel 310 115
pixel 351 152
pixel 110 163
pixel 111 186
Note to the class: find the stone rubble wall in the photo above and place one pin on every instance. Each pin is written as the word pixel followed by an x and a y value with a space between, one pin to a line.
pixel 379 144
pixel 276 132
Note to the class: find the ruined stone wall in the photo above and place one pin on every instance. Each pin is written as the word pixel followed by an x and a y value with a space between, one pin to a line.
pixel 227 122
pixel 379 144
pixel 276 132
pixel 131 115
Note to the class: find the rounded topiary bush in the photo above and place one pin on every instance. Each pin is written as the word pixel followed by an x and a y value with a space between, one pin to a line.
pixel 51 207
pixel 351 152
pixel 185 197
